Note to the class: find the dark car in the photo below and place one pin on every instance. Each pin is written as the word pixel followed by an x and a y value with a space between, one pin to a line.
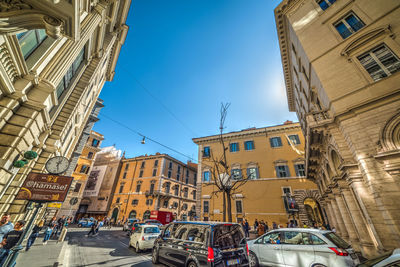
pixel 134 226
pixel 196 244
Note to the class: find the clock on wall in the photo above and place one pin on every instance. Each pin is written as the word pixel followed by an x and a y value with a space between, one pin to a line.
pixel 57 165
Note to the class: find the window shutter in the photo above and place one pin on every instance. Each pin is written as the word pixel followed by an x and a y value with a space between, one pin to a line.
pixel 296 168
pixel 271 143
pixel 257 174
pixel 287 170
pixel 248 173
pixel 277 171
pixel 279 141
pixel 240 173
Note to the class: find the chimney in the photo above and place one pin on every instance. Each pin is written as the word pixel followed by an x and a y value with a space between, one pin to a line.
pixel 287 122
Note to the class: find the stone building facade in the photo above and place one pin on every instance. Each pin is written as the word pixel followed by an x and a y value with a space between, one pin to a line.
pixel 55 57
pixel 341 62
pixel 100 184
pixel 272 167
pixel 87 153
pixel 154 182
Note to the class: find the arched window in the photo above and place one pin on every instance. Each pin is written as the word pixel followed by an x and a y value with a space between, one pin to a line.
pixel 146 215
pixel 132 214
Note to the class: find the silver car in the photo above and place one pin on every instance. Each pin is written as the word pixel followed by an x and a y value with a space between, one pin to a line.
pixel 391 259
pixel 301 247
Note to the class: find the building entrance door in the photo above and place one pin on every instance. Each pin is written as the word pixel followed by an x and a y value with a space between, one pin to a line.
pixel 114 215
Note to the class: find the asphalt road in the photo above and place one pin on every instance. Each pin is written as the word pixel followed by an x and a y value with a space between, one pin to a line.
pixel 108 248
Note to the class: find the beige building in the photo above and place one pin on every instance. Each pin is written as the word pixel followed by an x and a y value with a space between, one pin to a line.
pixel 55 57
pixel 341 66
pixel 154 182
pixel 272 167
pixel 100 185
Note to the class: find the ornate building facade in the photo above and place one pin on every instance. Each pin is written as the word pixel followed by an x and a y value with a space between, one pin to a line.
pixel 273 168
pixel 154 182
pixel 341 68
pixel 55 57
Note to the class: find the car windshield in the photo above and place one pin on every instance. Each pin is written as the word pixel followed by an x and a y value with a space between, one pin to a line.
pixel 151 230
pixel 374 261
pixel 335 239
pixel 228 236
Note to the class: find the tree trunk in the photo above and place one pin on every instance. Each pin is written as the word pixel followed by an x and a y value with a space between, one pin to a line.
pixel 229 205
pixel 224 208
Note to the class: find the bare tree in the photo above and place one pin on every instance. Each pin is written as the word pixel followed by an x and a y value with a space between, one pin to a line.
pixel 222 177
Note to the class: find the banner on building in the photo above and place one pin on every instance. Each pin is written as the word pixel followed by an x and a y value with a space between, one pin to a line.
pixel 94 181
pixel 43 187
pixel 54 205
pixel 290 204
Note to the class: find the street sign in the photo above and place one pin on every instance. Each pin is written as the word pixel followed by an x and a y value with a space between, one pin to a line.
pixel 54 205
pixel 41 187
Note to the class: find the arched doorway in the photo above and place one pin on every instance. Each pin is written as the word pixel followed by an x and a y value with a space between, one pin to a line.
pixel 132 214
pixel 313 211
pixel 146 215
pixel 114 215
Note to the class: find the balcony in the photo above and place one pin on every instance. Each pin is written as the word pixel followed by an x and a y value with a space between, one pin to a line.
pixel 319 118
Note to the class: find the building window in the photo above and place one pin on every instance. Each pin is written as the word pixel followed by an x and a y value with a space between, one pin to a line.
pixel 206 152
pixel 275 141
pixel 324 4
pixel 149 202
pixel 126 166
pixel 206 176
pixel 294 139
pixel 234 147
pixel 169 174
pixel 252 173
pixel 239 208
pixel 187 180
pixel 175 205
pixel 165 204
pixel 124 175
pixel 151 188
pixel 179 169
pixel 178 176
pixel 286 191
pixel 176 190
pixel 141 173
pixel 167 187
pixel 84 169
pixel 121 188
pixel 154 172
pixel 300 170
pixel 77 187
pixel 349 25
pixel 118 199
pixel 185 192
pixel 282 171
pixel 170 165
pixel 156 163
pixel 194 194
pixel 236 174
pixel 205 206
pixel 95 143
pixel 380 62
pixel 70 74
pixel 143 164
pixel 184 206
pixel 195 179
pixel 249 145
pixel 30 40
pixel 90 155
pixel 135 202
pixel 138 188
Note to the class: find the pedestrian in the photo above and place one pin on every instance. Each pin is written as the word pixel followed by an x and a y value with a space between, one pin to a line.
pixel 266 227
pixel 35 233
pixel 274 225
pixel 60 224
pixel 255 225
pixel 5 225
pixel 260 229
pixel 48 232
pixel 10 240
pixel 53 225
pixel 246 228
pixel 92 229
pixel 98 227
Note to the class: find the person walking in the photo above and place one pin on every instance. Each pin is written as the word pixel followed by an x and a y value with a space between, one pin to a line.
pixel 10 240
pixel 274 225
pixel 92 229
pixel 5 225
pixel 260 229
pixel 255 225
pixel 246 228
pixel 266 227
pixel 98 227
pixel 35 233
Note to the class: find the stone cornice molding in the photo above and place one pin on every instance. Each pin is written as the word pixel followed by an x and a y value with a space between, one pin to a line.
pixel 266 131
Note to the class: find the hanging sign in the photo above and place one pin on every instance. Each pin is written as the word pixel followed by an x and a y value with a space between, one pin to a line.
pixel 42 187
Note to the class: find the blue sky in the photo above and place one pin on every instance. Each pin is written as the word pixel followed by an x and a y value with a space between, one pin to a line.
pixel 190 56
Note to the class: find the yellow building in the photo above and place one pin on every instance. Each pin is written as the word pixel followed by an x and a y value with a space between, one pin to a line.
pixel 273 169
pixel 155 182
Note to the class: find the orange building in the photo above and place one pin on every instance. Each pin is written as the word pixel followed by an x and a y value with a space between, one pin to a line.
pixel 155 182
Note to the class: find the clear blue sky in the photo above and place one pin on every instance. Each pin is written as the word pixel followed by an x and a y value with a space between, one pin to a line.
pixel 191 56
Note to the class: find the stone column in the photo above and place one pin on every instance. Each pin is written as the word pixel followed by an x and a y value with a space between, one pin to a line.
pixel 332 218
pixel 367 247
pixel 339 218
pixel 348 223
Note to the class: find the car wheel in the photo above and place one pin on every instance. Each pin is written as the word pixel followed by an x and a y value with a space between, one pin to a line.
pixel 130 245
pixel 154 256
pixel 137 247
pixel 192 264
pixel 318 265
pixel 253 259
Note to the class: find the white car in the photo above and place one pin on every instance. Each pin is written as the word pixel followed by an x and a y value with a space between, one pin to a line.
pixel 301 247
pixel 143 237
pixel 388 259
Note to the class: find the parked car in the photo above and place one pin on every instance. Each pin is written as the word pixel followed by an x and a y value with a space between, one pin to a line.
pixel 197 244
pixel 143 237
pixel 154 222
pixel 85 222
pixel 128 225
pixel 302 247
pixel 391 258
